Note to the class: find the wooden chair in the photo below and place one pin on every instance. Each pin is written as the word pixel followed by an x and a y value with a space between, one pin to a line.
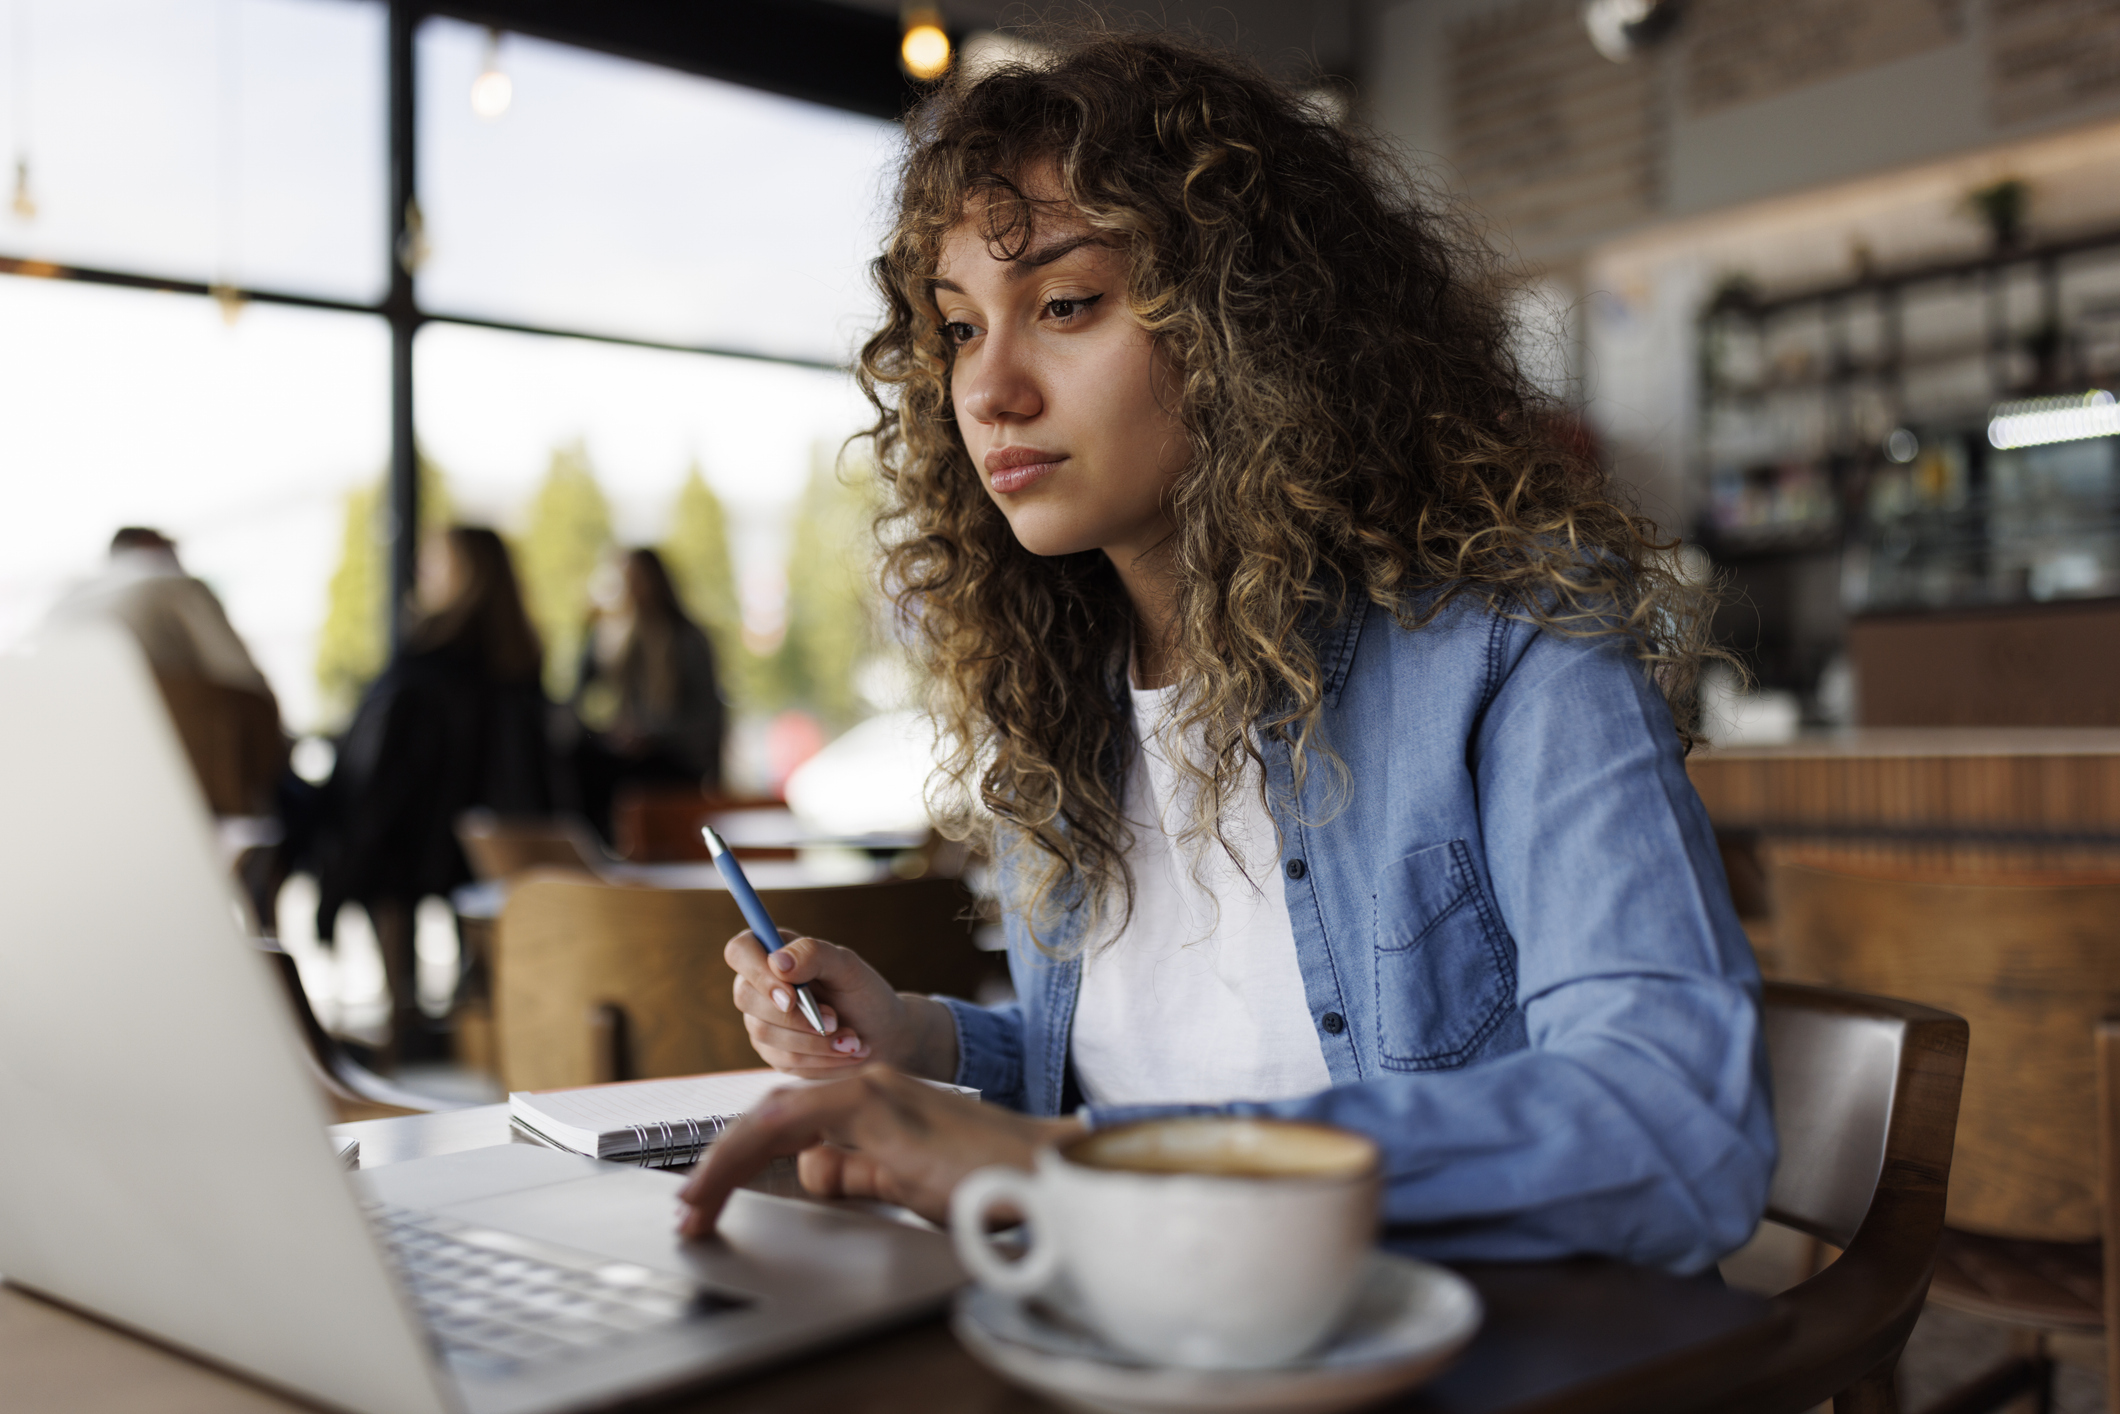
pixel 595 981
pixel 2034 967
pixel 502 846
pixel 1865 1100
pixel 233 739
pixel 660 824
pixel 353 1090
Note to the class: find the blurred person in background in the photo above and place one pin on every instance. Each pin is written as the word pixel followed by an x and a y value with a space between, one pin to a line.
pixel 221 704
pixel 458 720
pixel 649 694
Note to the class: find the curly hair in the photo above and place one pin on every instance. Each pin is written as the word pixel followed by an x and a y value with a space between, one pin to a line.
pixel 1357 420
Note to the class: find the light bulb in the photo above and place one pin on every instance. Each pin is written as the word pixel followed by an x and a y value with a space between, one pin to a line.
pixel 25 205
pixel 926 51
pixel 491 92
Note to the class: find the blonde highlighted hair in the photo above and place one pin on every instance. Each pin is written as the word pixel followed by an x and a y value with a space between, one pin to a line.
pixel 1358 423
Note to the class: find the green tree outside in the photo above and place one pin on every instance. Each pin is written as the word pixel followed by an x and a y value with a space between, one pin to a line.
pixel 567 534
pixel 696 551
pixel 832 595
pixel 833 629
pixel 355 640
pixel 698 555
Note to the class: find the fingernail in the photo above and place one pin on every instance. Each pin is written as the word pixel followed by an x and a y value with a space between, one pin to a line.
pixel 780 998
pixel 782 962
pixel 829 1018
pixel 848 1045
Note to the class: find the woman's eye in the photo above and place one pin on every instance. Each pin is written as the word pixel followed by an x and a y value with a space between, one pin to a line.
pixel 956 332
pixel 1068 306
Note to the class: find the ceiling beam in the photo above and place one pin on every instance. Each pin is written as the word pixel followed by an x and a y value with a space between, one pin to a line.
pixel 808 49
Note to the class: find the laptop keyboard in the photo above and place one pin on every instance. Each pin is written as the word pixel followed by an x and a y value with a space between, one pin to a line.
pixel 495 1302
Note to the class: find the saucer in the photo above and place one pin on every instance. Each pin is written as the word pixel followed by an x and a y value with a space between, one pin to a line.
pixel 1408 1321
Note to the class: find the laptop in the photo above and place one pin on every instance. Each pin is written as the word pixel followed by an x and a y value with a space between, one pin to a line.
pixel 163 1162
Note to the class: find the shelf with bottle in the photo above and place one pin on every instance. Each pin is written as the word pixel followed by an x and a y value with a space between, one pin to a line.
pixel 1953 521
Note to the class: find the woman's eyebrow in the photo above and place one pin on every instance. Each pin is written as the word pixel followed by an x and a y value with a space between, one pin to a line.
pixel 1023 265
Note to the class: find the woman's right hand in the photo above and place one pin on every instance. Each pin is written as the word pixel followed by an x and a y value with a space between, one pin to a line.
pixel 865 1020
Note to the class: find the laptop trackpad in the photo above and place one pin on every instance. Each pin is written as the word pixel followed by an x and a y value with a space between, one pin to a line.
pixel 766 1246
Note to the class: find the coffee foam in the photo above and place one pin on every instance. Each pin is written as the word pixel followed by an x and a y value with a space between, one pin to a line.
pixel 1228 1148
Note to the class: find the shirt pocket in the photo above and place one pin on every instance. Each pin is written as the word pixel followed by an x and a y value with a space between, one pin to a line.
pixel 1445 969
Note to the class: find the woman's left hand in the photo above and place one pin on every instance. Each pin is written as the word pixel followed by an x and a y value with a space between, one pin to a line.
pixel 877 1134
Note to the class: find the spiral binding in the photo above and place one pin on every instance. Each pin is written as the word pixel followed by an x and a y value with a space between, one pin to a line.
pixel 663 1144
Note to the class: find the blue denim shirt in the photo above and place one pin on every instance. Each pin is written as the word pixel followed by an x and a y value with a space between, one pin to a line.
pixel 1517 945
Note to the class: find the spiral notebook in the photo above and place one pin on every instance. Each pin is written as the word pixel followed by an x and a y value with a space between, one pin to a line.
pixel 654 1123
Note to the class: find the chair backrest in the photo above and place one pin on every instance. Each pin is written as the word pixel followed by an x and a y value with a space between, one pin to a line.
pixel 502 846
pixel 653 824
pixel 1866 1101
pixel 1838 1060
pixel 2032 967
pixel 581 967
pixel 233 739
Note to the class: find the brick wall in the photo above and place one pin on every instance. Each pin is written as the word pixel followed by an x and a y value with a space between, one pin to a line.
pixel 1547 136
pixel 2048 56
pixel 1559 147
pixel 1740 51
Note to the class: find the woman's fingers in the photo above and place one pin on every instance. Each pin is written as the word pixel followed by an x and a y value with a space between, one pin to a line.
pixel 875 1134
pixel 808 1064
pixel 764 996
pixel 786 1122
pixel 822 1168
pixel 764 1014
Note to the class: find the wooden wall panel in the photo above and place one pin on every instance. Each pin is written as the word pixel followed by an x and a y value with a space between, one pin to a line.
pixel 2038 665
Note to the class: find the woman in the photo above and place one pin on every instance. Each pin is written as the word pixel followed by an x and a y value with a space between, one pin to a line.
pixel 457 720
pixel 651 670
pixel 1312 690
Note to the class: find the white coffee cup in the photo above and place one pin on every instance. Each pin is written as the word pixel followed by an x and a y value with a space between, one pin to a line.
pixel 1213 1242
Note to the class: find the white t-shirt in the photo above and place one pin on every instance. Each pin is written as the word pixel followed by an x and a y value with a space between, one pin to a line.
pixel 1199 999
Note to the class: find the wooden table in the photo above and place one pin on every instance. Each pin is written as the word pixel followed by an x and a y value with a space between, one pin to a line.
pixel 1578 1337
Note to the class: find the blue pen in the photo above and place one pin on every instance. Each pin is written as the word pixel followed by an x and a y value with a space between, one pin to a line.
pixel 754 913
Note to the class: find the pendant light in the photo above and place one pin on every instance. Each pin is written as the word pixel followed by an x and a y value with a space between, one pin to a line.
pixel 924 49
pixel 492 91
pixel 24 204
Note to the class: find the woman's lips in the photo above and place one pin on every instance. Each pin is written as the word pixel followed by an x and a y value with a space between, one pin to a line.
pixel 1020 468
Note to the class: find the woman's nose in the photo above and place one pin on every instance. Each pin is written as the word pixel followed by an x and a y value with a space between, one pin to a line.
pixel 1002 388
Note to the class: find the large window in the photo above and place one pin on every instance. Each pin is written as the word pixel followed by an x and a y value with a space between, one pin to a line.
pixel 242 143
pixel 234 141
pixel 628 199
pixel 241 441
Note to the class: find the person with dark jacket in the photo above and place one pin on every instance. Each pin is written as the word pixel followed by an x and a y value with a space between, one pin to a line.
pixel 648 680
pixel 456 721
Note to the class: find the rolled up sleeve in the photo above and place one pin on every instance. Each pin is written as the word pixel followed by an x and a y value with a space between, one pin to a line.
pixel 989 1049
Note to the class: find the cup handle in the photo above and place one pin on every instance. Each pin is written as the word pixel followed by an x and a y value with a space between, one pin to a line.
pixel 976 1195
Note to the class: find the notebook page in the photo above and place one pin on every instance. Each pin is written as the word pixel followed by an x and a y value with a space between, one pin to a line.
pixel 580 1118
pixel 604 1109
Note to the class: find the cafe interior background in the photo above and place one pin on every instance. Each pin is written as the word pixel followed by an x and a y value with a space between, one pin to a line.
pixel 1832 286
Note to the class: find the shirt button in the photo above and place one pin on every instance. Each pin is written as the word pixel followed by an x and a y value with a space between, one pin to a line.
pixel 1297 868
pixel 1333 1022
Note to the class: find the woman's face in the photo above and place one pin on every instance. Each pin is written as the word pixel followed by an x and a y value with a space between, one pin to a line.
pixel 441 574
pixel 638 591
pixel 1061 397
